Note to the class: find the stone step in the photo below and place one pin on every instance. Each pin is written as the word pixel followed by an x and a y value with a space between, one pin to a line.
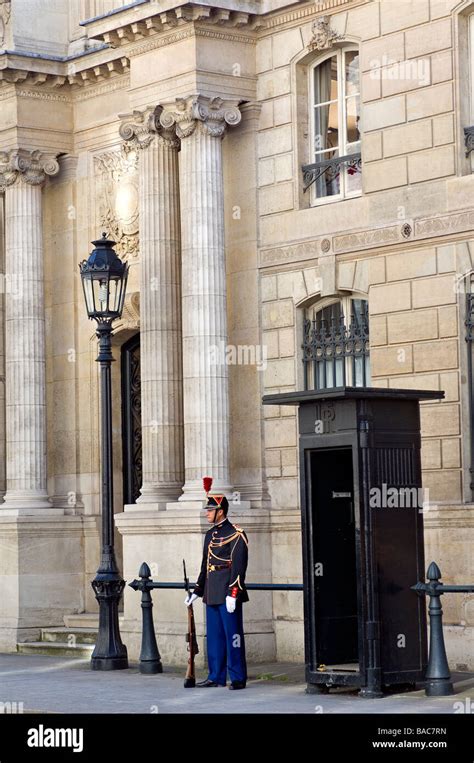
pixel 56 649
pixel 70 636
pixel 85 620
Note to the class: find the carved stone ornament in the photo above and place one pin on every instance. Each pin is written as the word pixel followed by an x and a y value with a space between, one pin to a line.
pixel 139 128
pixel 5 12
pixel 116 180
pixel 30 166
pixel 323 36
pixel 131 309
pixel 213 114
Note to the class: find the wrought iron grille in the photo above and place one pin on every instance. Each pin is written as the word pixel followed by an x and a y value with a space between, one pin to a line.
pixel 331 168
pixel 469 318
pixel 469 139
pixel 469 323
pixel 131 420
pixel 336 352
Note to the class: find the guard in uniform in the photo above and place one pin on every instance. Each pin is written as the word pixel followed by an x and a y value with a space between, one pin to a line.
pixel 221 584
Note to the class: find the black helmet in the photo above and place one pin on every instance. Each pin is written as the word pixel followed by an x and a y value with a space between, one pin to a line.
pixel 218 502
pixel 214 501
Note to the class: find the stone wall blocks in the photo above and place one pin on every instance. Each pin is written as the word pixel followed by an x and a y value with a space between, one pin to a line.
pixel 361 277
pixel 345 275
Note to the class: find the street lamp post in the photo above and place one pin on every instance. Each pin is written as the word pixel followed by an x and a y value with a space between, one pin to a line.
pixel 104 281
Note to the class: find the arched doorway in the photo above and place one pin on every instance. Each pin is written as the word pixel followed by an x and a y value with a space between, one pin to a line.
pixel 131 420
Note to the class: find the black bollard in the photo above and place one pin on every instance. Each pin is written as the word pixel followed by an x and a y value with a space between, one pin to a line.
pixel 438 677
pixel 150 660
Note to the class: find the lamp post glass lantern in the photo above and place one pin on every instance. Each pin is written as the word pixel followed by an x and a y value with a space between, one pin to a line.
pixel 104 280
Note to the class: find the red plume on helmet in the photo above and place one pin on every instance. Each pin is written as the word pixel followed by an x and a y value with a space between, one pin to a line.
pixel 207 482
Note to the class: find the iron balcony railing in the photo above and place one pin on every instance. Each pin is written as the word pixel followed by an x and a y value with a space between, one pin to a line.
pixel 330 167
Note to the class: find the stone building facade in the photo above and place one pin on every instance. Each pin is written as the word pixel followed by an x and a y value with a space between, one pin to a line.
pixel 181 128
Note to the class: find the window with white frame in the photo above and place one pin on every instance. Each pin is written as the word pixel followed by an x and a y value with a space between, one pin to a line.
pixel 335 169
pixel 336 343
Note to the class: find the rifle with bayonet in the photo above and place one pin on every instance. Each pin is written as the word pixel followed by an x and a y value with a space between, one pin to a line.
pixel 193 649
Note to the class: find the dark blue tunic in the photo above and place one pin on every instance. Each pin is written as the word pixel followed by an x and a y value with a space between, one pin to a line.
pixel 224 564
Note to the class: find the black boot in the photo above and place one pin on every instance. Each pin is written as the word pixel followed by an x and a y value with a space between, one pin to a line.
pixel 238 685
pixel 207 683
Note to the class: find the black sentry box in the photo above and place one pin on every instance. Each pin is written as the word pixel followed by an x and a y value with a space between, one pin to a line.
pixel 362 535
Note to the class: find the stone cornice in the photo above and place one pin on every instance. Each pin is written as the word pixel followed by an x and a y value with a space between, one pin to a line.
pixel 42 95
pixel 137 24
pixel 17 91
pixel 215 34
pixel 160 41
pixel 281 18
pixel 117 83
pixel 30 166
pixel 140 128
pixel 213 114
pixel 184 33
pixel 77 72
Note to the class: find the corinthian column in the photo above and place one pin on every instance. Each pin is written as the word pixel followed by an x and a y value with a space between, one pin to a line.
pixel 200 123
pixel 21 176
pixel 160 308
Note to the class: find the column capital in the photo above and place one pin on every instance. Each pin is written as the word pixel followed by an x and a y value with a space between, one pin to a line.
pixel 141 127
pixel 212 113
pixel 30 166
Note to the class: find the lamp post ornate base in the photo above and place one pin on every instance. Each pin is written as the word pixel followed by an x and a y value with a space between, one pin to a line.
pixel 109 652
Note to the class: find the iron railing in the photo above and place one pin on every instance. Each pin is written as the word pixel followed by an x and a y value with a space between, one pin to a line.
pixel 438 677
pixel 327 345
pixel 331 168
pixel 150 659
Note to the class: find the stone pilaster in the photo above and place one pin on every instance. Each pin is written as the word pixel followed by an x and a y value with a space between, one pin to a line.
pixel 200 123
pixel 22 174
pixel 2 351
pixel 160 308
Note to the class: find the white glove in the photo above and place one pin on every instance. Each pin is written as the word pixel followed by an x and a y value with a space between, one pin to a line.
pixel 230 603
pixel 189 599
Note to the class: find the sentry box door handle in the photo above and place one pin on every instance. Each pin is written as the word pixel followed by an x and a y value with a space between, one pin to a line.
pixel 341 495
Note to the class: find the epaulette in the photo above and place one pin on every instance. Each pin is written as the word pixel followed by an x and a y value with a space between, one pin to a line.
pixel 242 533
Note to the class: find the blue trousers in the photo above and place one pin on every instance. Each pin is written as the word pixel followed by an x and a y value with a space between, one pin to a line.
pixel 225 643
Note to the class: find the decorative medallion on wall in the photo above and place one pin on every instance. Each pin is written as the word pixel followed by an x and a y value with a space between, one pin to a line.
pixel 323 36
pixel 116 175
pixel 5 12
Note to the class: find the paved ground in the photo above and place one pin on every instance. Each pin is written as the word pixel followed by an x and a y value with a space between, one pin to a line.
pixel 48 684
